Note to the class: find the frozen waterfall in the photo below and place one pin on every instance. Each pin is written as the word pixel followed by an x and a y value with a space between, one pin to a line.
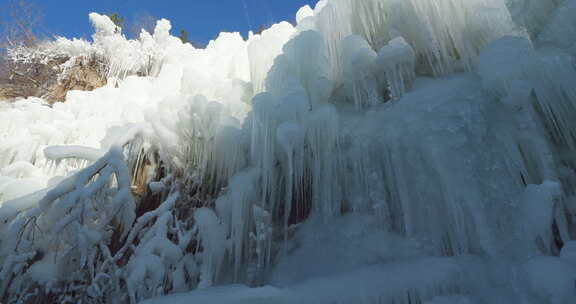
pixel 377 151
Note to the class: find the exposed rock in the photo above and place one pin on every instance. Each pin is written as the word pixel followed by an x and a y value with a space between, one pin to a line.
pixel 51 80
pixel 85 75
pixel 8 91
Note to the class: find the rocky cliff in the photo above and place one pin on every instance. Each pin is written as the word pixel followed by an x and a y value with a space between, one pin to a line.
pixel 50 79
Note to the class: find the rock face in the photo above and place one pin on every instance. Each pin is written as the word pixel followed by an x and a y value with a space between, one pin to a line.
pixel 50 80
pixel 85 75
pixel 8 92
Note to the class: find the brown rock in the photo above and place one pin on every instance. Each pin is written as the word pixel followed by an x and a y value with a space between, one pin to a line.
pixel 49 81
pixel 85 75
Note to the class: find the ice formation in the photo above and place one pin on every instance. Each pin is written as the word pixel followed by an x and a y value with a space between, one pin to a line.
pixel 377 151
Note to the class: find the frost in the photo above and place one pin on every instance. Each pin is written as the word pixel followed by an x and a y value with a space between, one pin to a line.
pixel 69 220
pixel 56 153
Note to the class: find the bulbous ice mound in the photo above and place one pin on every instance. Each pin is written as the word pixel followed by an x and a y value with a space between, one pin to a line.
pixel 103 26
pixel 377 151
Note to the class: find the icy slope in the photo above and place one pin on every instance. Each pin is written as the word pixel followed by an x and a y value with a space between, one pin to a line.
pixel 379 151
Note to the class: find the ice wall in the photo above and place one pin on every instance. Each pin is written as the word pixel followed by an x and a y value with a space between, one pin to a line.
pixel 428 141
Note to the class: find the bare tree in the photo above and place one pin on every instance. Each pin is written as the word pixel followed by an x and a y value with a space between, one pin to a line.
pixel 21 26
pixel 19 33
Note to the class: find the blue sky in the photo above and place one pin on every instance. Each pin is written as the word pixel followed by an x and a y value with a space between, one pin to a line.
pixel 202 19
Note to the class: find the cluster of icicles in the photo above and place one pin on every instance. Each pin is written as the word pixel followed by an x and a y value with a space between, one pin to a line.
pixel 449 122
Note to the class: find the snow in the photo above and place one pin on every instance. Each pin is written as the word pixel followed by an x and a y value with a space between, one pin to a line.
pixel 303 13
pixel 229 294
pixel 103 26
pixel 56 153
pixel 552 279
pixel 369 284
pixel 378 151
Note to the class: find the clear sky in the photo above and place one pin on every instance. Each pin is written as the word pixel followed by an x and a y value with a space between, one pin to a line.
pixel 202 19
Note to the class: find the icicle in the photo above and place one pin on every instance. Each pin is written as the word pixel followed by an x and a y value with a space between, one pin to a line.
pixel 263 49
pixel 322 129
pixel 213 238
pixel 304 64
pixel 235 208
pixel 291 140
pixel 263 147
pixel 360 79
pixel 397 60
pixel 231 146
pixel 532 14
pixel 262 237
pixel 538 205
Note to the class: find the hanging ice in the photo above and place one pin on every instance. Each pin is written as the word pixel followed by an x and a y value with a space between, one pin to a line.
pixel 397 61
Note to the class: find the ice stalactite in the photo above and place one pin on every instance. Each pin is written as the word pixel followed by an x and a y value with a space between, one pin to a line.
pixel 443 40
pixel 235 211
pixel 328 21
pixel 262 239
pixel 397 61
pixel 533 14
pixel 510 87
pixel 205 140
pixel 540 205
pixel 403 150
pixel 263 147
pixel 323 160
pixel 549 74
pixel 290 137
pixel 442 45
pixel 231 149
pixel 361 83
pixel 213 236
pixel 290 70
pixel 262 56
pixel 561 26
pixel 543 102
